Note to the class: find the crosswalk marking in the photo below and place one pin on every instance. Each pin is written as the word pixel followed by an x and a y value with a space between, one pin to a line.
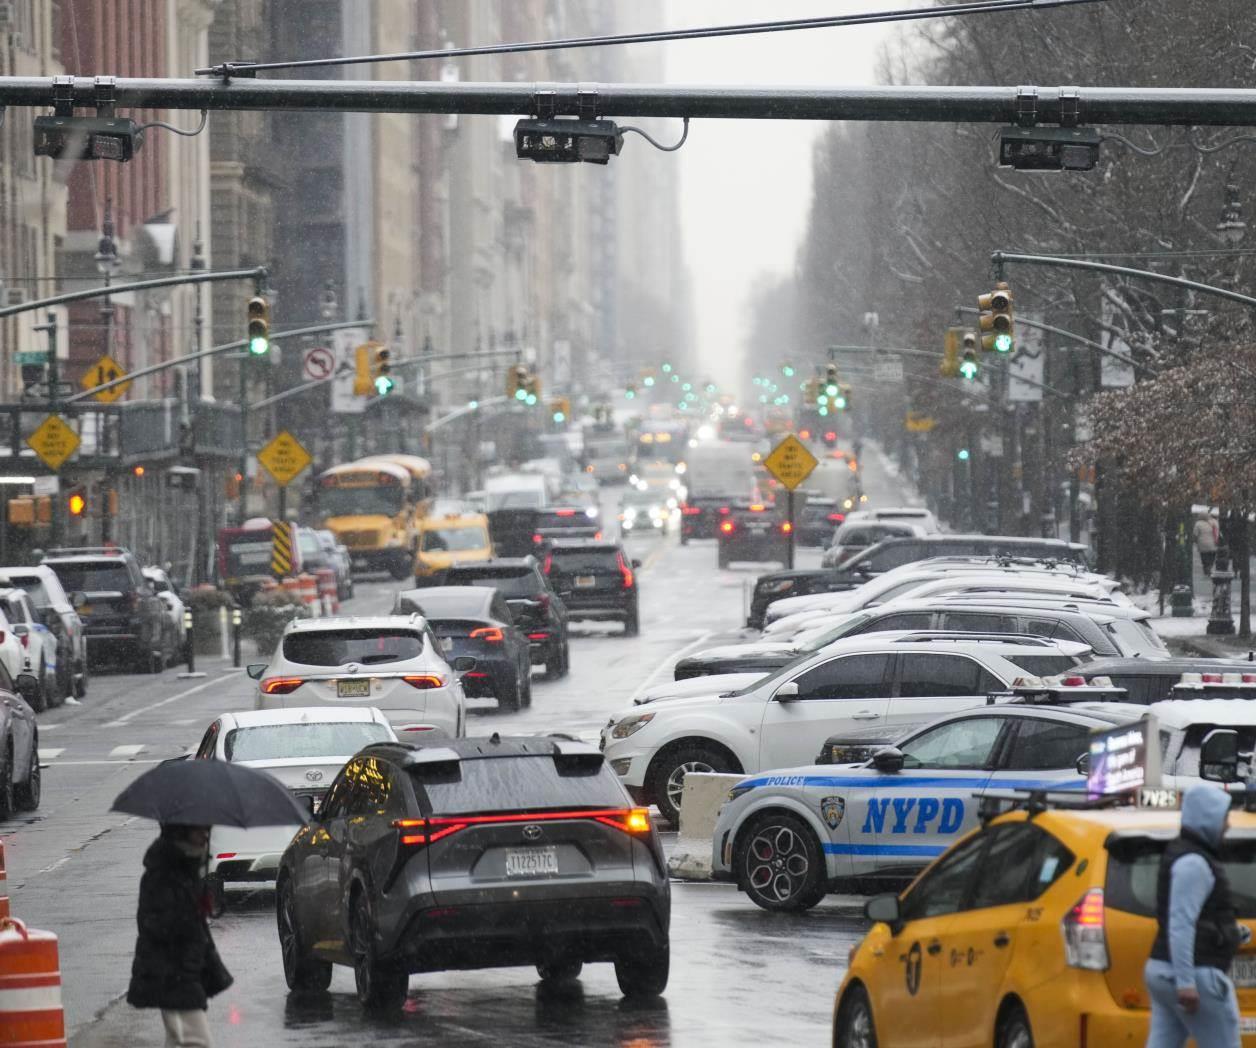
pixel 129 750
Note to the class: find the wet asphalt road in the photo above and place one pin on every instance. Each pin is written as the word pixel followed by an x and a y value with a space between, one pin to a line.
pixel 739 976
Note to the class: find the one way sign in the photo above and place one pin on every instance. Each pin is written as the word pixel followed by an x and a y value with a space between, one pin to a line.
pixel 106 369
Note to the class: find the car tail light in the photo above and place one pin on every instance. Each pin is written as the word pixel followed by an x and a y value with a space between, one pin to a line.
pixel 25 638
pixel 549 563
pixel 416 727
pixel 564 512
pixel 624 570
pixel 476 675
pixel 726 526
pixel 424 681
pixel 538 636
pixel 597 536
pixel 488 634
pixel 281 685
pixel 830 435
pixel 805 434
pixel 1085 945
pixel 690 511
pixel 837 518
pixel 543 600
pixel 787 528
pixel 723 511
pixel 419 832
pixel 537 538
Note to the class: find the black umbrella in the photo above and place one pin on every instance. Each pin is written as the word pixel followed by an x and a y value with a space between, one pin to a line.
pixel 210 793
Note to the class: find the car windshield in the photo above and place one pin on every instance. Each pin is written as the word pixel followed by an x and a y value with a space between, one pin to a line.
pixel 94 576
pixel 509 582
pixel 823 640
pixel 454 539
pixel 1134 638
pixel 1044 665
pixel 366 646
pixel 268 742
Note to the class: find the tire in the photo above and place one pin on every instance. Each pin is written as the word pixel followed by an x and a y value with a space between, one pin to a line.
pixel 560 664
pixel 156 662
pixel 381 987
pixel 564 971
pixel 684 539
pixel 402 567
pixel 643 974
pixel 1014 1031
pixel 778 861
pixel 26 795
pixel 667 775
pixel 855 1028
pixel 302 973
pixel 512 700
pixel 80 683
pixel 723 560
pixel 40 702
pixel 525 699
pixel 632 623
pixel 7 801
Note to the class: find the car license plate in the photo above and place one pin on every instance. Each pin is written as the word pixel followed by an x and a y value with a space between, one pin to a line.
pixel 585 582
pixel 446 644
pixel 85 609
pixel 531 862
pixel 353 689
pixel 1243 970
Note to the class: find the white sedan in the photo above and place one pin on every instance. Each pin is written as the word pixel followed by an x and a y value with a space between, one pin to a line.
pixel 302 748
pixel 388 661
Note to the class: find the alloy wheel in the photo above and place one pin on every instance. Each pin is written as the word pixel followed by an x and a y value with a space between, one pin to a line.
pixel 676 780
pixel 777 864
pixel 288 932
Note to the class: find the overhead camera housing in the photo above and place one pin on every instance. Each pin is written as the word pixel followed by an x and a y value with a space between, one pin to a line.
pixel 1049 148
pixel 87 137
pixel 567 141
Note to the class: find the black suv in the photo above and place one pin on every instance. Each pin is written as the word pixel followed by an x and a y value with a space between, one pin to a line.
pixel 536 608
pixel 123 619
pixel 753 531
pixel 596 580
pixel 475 621
pixel 474 853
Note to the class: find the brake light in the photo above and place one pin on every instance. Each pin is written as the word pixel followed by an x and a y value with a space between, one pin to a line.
pixel 836 518
pixel 477 675
pixel 424 681
pixel 225 855
pixel 418 832
pixel 549 563
pixel 624 570
pixel 723 511
pixel 281 685
pixel 690 511
pixel 564 512
pixel 787 527
pixel 830 435
pixel 1085 945
pixel 25 638
pixel 726 526
pixel 538 636
pixel 537 538
pixel 488 634
pixel 597 536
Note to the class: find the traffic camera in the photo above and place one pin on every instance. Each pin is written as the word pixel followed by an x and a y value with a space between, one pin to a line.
pixel 996 319
pixel 87 137
pixel 1049 148
pixel 567 141
pixel 259 326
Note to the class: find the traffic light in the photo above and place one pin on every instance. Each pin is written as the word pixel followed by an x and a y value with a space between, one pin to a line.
pixel 842 400
pixel 630 391
pixel 951 350
pixel 963 455
pixel 531 390
pixel 381 371
pixel 787 370
pixel 76 503
pixel 560 409
pixel 969 367
pixel 667 368
pixel 259 326
pixel 810 391
pixel 996 319
pixel 517 381
pixel 830 381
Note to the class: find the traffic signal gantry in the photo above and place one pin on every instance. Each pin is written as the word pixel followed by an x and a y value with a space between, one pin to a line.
pixel 997 334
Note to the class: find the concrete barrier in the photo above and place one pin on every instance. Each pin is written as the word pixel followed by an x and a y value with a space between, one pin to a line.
pixel 700 804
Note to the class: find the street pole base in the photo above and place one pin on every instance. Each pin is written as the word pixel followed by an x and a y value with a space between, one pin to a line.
pixel 1220 629
pixel 196 674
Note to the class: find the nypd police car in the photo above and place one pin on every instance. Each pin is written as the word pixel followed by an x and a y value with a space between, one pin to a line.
pixel 785 836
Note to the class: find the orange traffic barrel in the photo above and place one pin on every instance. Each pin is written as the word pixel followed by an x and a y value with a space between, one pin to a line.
pixel 308 590
pixel 328 592
pixel 31 1015
pixel 291 585
pixel 4 886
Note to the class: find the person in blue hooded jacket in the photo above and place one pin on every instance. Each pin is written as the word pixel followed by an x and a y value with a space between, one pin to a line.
pixel 1197 935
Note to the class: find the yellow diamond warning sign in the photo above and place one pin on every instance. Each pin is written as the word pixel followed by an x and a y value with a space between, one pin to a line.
pixel 54 441
pixel 106 369
pixel 284 458
pixel 790 462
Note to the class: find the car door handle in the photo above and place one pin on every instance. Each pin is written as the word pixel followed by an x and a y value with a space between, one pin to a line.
pixel 1002 939
pixel 934 948
pixel 865 715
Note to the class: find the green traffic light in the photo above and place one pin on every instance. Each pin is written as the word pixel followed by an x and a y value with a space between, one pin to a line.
pixel 787 371
pixel 687 387
pixel 840 403
pixel 1003 342
pixel 648 380
pixel 559 417
pixel 968 369
pixel 384 385
pixel 822 399
pixel 831 390
pixel 473 404
pixel 259 345
pixel 710 387
pixel 667 368
pixel 521 394
pixel 962 454
pixel 530 399
pixel 675 378
pixel 822 411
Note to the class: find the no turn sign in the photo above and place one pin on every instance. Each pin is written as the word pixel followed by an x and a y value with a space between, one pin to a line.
pixel 319 363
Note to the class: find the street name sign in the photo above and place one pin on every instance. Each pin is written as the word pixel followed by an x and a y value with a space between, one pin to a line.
pixel 790 462
pixel 106 369
pixel 284 457
pixel 54 441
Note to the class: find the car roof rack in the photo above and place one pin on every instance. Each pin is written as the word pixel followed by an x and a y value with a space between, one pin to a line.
pixel 86 551
pixel 1035 802
pixel 1032 640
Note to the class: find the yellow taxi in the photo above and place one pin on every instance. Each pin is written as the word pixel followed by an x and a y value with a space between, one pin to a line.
pixel 1030 932
pixel 453 538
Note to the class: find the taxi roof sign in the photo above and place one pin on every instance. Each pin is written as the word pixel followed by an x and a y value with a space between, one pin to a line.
pixel 284 457
pixel 790 462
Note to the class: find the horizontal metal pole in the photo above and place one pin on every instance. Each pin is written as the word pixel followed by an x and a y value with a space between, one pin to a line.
pixel 1128 361
pixel 1183 106
pixel 258 274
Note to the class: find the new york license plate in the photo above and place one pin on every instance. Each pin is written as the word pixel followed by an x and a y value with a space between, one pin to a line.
pixel 531 862
pixel 353 689
pixel 585 581
pixel 1243 970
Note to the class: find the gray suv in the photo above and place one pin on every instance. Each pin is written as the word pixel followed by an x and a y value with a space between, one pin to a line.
pixel 474 853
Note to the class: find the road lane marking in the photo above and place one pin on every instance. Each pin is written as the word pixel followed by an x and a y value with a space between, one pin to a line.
pixel 49 754
pixel 668 665
pixel 128 717
pixel 127 751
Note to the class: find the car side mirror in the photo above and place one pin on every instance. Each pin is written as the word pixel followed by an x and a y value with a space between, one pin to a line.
pixel 255 670
pixel 885 909
pixel 787 692
pixel 21 630
pixel 1219 755
pixel 464 664
pixel 1083 764
pixel 889 760
pixel 636 563
pixel 78 598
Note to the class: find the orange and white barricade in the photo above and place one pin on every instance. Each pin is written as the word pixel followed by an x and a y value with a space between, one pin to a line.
pixel 31 1015
pixel 328 591
pixel 308 591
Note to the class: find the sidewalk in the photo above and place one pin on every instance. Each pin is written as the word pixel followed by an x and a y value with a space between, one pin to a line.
pixel 1189 637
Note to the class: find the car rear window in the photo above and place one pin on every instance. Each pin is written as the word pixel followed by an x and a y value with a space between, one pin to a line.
pixel 454 539
pixel 94 576
pixel 365 646
pixel 34 587
pixel 565 519
pixel 509 582
pixel 585 560
pixel 1134 865
pixel 277 741
pixel 1043 665
pixel 518 783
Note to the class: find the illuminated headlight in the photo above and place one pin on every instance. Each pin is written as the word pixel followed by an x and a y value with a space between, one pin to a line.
pixel 672 503
pixel 631 725
pixel 740 790
pixel 591 512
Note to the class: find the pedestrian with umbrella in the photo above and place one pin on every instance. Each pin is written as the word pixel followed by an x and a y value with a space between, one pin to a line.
pixel 176 966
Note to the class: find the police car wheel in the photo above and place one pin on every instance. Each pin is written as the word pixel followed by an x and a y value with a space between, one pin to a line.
pixel 855 1028
pixel 779 862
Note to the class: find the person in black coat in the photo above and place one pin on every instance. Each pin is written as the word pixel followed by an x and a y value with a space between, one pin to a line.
pixel 176 966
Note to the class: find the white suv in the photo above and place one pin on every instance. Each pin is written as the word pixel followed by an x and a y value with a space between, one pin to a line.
pixel 391 662
pixel 878 680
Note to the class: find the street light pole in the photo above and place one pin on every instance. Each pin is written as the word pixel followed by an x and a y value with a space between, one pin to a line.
pixel 107 264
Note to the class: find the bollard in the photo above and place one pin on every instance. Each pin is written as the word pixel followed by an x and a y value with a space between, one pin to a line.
pixel 4 886
pixel 1220 620
pixel 237 617
pixel 189 647
pixel 31 1014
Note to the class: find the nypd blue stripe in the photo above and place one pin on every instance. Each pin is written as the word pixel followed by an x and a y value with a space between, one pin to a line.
pixel 927 851
pixel 911 781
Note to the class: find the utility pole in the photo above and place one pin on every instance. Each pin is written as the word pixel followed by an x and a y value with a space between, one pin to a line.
pixel 49 327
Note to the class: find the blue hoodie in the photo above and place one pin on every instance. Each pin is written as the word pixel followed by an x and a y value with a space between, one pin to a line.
pixel 1204 811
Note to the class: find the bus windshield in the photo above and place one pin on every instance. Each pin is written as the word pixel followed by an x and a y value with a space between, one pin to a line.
pixel 347 502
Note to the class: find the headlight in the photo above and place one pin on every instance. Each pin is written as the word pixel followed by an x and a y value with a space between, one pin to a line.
pixel 740 790
pixel 632 724
pixel 779 586
pixel 591 512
